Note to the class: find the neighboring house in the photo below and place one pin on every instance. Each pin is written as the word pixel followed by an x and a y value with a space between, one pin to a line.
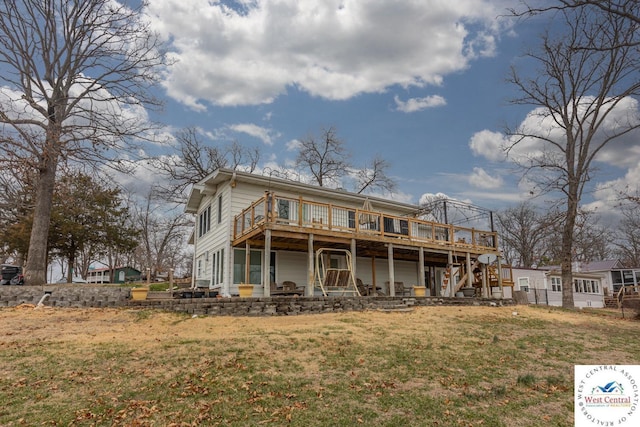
pixel 544 286
pixel 120 275
pixel 266 231
pixel 614 276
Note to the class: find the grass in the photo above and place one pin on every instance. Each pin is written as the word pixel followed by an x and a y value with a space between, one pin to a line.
pixel 444 366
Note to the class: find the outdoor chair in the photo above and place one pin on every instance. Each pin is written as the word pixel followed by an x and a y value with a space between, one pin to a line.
pixel 362 288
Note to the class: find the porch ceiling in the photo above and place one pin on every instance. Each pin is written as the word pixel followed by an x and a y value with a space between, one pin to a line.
pixel 298 242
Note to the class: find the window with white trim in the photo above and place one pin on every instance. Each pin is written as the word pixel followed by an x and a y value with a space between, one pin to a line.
pixel 523 284
pixel 556 284
pixel 217 267
pixel 204 221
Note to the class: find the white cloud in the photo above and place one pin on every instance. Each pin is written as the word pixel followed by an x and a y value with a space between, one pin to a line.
pixel 623 152
pixel 293 145
pixel 488 144
pixel 263 134
pixel 479 178
pixel 619 158
pixel 335 49
pixel 416 104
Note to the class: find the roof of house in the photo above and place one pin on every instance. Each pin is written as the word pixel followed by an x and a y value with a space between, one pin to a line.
pixel 606 265
pixel 554 270
pixel 222 175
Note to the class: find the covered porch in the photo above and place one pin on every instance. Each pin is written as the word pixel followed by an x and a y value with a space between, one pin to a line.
pixel 446 258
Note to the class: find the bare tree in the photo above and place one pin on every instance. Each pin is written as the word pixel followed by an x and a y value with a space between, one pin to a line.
pixel 577 89
pixel 524 232
pixel 626 9
pixel 325 158
pixel 195 160
pixel 627 244
pixel 76 76
pixel 162 236
pixel 374 176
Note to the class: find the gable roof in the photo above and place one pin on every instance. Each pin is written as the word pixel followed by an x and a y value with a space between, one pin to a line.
pixel 606 265
pixel 209 184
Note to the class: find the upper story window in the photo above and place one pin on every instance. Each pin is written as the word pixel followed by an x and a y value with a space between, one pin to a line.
pixel 219 209
pixel 204 221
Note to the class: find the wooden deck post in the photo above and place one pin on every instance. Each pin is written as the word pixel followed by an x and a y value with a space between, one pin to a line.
pixel 452 292
pixel 469 272
pixel 392 278
pixel 373 272
pixel 266 274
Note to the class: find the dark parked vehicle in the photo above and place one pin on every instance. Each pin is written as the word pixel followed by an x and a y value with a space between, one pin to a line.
pixel 11 275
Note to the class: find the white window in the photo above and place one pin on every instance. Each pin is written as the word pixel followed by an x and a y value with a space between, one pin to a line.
pixel 217 267
pixel 556 284
pixel 523 283
pixel 240 266
pixel 204 221
pixel 588 286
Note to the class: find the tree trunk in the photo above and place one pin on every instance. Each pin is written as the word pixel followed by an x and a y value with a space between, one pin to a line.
pixel 36 267
pixel 567 248
pixel 71 262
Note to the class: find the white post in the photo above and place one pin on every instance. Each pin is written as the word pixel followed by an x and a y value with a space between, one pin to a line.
pixel 500 278
pixel 353 257
pixel 266 276
pixel 392 278
pixel 311 280
pixel 421 267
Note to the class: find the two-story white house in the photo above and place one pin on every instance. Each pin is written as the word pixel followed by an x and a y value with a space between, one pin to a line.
pixel 267 231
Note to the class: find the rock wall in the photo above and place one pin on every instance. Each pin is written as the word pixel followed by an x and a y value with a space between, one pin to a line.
pixel 115 296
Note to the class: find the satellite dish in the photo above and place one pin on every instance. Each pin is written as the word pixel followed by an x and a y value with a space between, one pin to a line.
pixel 487 258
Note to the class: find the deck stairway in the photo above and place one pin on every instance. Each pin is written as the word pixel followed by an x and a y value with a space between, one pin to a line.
pixel 627 296
pixel 610 302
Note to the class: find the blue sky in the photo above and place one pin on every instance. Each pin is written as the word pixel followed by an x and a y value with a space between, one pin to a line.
pixel 420 83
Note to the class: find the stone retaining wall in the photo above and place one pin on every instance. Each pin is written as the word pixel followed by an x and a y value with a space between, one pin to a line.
pixel 115 296
pixel 286 306
pixel 65 295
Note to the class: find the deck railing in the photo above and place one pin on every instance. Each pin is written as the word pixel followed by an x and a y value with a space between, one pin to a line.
pixel 298 212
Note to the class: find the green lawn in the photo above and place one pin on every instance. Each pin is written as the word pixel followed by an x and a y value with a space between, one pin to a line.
pixel 442 366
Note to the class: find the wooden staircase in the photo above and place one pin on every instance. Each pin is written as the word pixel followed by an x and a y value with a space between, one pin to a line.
pixel 610 302
pixel 627 296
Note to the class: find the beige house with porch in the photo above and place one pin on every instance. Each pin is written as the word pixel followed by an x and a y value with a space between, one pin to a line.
pixel 286 237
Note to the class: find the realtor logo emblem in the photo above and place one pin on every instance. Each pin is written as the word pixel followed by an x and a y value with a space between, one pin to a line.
pixel 607 395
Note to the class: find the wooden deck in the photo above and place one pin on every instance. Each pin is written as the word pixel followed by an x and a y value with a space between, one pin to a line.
pixel 290 221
